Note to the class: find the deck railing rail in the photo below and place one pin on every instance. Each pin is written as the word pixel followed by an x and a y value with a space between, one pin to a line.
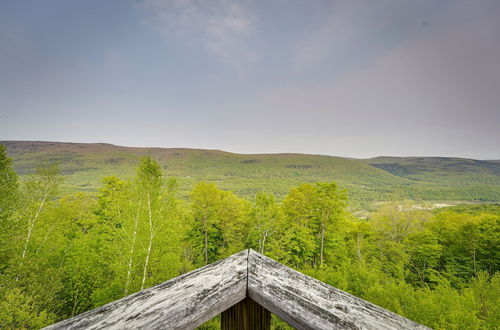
pixel 245 288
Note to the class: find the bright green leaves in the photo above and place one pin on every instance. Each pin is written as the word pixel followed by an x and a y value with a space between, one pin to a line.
pixel 19 311
pixel 8 186
pixel 424 253
pixel 218 223
pixel 314 214
pixel 296 232
pixel 148 180
pixel 144 229
pixel 9 198
pixel 62 256
pixel 266 219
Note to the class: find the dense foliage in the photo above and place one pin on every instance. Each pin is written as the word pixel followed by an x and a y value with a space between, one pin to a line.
pixel 62 255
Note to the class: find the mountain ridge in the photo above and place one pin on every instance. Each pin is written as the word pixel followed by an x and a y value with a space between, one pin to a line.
pixel 236 153
pixel 366 180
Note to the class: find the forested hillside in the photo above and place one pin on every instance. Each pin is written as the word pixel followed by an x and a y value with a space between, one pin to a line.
pixel 367 181
pixel 63 252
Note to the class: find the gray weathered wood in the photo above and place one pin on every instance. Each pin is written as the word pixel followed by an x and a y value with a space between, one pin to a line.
pixel 184 302
pixel 307 303
pixel 189 300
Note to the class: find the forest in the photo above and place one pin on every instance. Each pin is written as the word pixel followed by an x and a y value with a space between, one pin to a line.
pixel 64 253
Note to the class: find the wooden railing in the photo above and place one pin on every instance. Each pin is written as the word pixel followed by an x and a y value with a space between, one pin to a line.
pixel 245 288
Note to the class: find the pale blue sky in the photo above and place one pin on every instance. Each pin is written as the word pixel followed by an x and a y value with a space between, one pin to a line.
pixel 355 78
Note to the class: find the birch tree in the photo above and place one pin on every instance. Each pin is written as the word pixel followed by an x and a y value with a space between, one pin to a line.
pixel 218 228
pixel 265 215
pixel 145 228
pixel 118 209
pixel 39 189
pixel 330 203
pixel 149 184
pixel 205 235
pixel 314 209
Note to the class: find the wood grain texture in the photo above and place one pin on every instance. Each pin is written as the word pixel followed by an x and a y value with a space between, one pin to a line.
pixel 184 302
pixel 246 315
pixel 190 300
pixel 307 303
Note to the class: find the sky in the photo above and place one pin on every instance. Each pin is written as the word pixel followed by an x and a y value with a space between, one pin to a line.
pixel 351 78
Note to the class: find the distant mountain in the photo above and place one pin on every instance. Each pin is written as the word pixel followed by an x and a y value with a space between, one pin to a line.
pixel 366 180
pixel 440 169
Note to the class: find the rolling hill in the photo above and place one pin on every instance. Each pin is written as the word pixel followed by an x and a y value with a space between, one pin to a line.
pixel 366 180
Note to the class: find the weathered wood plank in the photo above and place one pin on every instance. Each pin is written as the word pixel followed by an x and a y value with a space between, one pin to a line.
pixel 184 302
pixel 192 299
pixel 246 315
pixel 307 303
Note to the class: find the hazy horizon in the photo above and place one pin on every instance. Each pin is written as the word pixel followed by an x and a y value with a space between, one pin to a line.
pixel 245 153
pixel 355 79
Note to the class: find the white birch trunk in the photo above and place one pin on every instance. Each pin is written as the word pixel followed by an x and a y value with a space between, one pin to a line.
pixel 263 241
pixel 322 243
pixel 130 261
pixel 31 227
pixel 206 242
pixel 151 235
pixel 31 223
pixel 358 246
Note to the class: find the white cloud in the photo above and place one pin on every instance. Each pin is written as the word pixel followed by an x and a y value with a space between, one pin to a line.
pixel 221 27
